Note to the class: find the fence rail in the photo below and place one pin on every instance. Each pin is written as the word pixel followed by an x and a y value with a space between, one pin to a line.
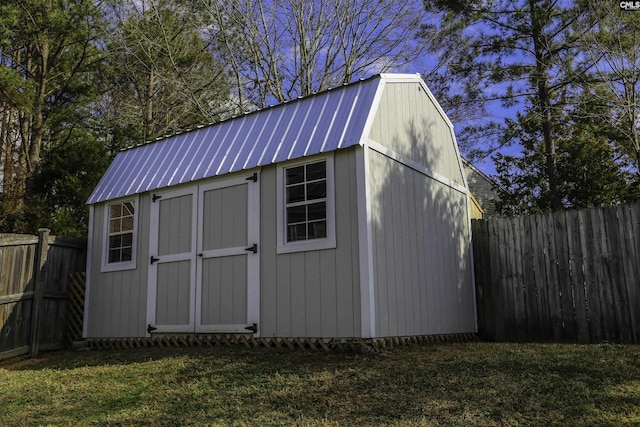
pixel 34 285
pixel 566 276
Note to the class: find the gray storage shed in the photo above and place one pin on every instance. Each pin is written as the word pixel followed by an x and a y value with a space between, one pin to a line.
pixel 344 214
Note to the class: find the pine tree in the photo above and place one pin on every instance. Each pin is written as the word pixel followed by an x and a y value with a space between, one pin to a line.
pixel 523 54
pixel 588 164
pixel 48 56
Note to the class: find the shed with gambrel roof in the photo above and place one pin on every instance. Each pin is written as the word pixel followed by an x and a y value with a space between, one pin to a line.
pixel 344 214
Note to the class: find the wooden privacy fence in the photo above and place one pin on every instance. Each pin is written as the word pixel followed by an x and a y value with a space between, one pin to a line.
pixel 568 276
pixel 35 282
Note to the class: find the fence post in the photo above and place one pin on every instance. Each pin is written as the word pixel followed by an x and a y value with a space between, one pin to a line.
pixel 38 288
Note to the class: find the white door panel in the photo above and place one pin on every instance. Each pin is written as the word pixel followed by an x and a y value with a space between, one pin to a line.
pixel 172 244
pixel 204 265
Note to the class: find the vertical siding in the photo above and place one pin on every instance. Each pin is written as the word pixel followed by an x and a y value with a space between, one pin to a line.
pixel 422 265
pixel 118 299
pixel 175 223
pixel 173 305
pixel 313 293
pixel 225 224
pixel 224 290
pixel 409 123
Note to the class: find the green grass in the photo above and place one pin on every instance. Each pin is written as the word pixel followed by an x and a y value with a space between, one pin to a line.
pixel 439 384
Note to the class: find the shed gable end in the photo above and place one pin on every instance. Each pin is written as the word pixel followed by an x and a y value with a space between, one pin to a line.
pixel 409 122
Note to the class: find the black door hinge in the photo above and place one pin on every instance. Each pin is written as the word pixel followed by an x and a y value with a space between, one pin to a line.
pixel 253 177
pixel 154 259
pixel 155 197
pixel 253 248
pixel 150 329
pixel 253 328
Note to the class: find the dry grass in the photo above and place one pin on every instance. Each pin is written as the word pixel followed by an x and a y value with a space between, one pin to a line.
pixel 443 384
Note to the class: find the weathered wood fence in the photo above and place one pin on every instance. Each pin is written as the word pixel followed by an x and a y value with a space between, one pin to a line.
pixel 571 276
pixel 37 293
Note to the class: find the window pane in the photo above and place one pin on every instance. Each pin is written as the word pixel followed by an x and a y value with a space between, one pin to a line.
pixel 127 239
pixel 127 223
pixel 126 254
pixel 296 232
pixel 114 226
pixel 115 242
pixel 296 214
pixel 317 190
pixel 128 208
pixel 316 171
pixel 295 194
pixel 317 211
pixel 317 229
pixel 115 211
pixel 114 255
pixel 295 175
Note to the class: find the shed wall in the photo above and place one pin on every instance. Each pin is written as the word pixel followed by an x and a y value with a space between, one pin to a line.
pixel 312 293
pixel 410 124
pixel 117 300
pixel 422 266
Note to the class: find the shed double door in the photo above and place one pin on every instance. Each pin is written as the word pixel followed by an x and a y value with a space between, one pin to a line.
pixel 203 269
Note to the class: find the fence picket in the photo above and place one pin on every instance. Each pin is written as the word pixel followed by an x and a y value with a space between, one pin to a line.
pixel 495 288
pixel 576 270
pixel 564 283
pixel 519 301
pixel 542 266
pixel 629 229
pixel 529 279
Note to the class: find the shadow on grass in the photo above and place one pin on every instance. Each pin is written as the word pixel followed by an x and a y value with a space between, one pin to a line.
pixel 473 384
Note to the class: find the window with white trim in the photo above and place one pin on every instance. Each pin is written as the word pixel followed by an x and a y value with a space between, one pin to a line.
pixel 120 236
pixel 306 201
pixel 306 206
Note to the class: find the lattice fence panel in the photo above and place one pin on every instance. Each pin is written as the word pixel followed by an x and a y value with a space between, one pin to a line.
pixel 75 307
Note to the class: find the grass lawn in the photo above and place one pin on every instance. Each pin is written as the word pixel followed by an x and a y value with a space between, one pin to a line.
pixel 438 384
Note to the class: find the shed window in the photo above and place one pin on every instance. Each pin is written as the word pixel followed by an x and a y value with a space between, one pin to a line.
pixel 120 236
pixel 306 201
pixel 306 211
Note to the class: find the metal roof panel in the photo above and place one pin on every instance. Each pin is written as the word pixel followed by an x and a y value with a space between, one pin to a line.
pixel 323 122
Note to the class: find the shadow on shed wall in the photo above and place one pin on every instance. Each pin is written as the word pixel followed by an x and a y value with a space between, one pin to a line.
pixel 421 240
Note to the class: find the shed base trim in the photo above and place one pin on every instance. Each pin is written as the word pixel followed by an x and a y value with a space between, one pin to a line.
pixel 311 344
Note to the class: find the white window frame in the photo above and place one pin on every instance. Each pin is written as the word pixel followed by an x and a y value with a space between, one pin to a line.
pixel 124 265
pixel 328 242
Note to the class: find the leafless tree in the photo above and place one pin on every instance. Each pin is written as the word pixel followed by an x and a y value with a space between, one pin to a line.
pixel 164 76
pixel 278 50
pixel 614 48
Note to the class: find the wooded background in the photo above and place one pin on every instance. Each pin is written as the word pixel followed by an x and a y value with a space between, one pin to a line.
pixel 546 90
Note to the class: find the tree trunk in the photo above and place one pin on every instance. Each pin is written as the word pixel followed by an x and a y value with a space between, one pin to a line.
pixel 544 106
pixel 148 118
pixel 8 148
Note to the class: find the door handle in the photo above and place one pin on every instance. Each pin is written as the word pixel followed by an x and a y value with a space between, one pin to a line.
pixel 253 248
